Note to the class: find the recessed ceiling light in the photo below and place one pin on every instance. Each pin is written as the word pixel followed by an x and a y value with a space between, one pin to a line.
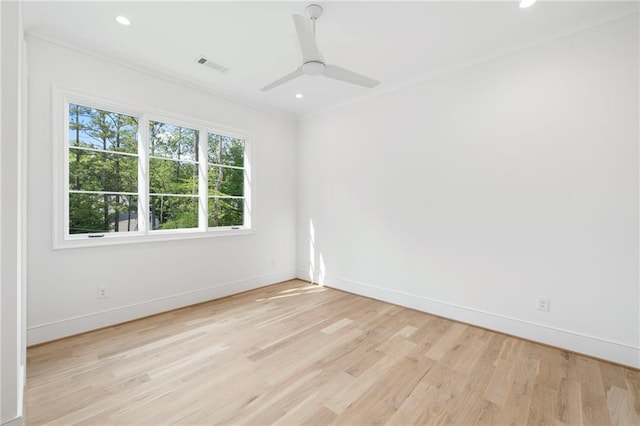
pixel 123 20
pixel 299 95
pixel 526 3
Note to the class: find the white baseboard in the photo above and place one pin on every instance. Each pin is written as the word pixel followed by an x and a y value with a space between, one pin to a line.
pixel 80 324
pixel 15 422
pixel 576 342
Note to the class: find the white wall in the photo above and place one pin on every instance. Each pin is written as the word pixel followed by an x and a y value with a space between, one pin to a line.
pixel 11 292
pixel 149 277
pixel 474 193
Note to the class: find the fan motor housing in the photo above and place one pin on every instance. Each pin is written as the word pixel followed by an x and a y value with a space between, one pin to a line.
pixel 314 11
pixel 313 68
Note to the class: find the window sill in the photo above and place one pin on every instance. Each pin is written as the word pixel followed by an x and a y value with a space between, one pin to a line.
pixel 153 237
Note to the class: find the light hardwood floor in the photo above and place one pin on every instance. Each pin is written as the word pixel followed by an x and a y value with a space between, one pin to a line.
pixel 296 353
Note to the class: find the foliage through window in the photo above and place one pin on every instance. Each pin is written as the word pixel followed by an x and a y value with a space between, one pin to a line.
pixel 136 175
pixel 173 176
pixel 226 181
pixel 103 171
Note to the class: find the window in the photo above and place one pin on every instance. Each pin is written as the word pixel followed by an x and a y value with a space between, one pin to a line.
pixel 133 175
pixel 103 171
pixel 226 181
pixel 173 176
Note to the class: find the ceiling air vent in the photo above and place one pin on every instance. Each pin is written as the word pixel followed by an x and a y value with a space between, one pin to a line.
pixel 204 61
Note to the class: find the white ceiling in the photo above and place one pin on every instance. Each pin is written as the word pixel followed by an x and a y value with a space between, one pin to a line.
pixel 394 42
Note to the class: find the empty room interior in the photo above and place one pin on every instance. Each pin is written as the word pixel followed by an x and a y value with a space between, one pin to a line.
pixel 320 213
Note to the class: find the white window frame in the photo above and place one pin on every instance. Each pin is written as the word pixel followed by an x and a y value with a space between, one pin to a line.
pixel 60 128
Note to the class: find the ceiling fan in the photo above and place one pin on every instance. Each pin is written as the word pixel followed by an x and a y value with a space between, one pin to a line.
pixel 312 60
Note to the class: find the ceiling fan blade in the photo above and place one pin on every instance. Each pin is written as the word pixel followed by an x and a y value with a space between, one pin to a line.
pixel 307 39
pixel 297 73
pixel 343 74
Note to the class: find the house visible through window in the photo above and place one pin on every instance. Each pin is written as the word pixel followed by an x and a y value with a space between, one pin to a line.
pixel 137 175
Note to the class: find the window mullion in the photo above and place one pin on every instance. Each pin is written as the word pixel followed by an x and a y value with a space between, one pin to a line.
pixel 143 175
pixel 65 178
pixel 247 189
pixel 203 175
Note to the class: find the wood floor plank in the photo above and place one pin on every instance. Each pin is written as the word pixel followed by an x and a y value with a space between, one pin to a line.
pixel 341 400
pixel 632 378
pixel 361 360
pixel 518 401
pixel 569 403
pixel 379 402
pixel 296 353
pixel 592 392
pixel 424 402
pixel 501 381
pixel 446 342
pixel 620 406
pixel 542 409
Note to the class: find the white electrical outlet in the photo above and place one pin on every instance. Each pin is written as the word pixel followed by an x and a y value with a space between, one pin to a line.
pixel 102 292
pixel 544 304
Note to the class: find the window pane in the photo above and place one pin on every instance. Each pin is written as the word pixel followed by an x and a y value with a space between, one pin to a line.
pixel 168 212
pixel 172 177
pixel 101 171
pixel 91 213
pixel 226 150
pixel 104 130
pixel 226 212
pixel 226 181
pixel 169 141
